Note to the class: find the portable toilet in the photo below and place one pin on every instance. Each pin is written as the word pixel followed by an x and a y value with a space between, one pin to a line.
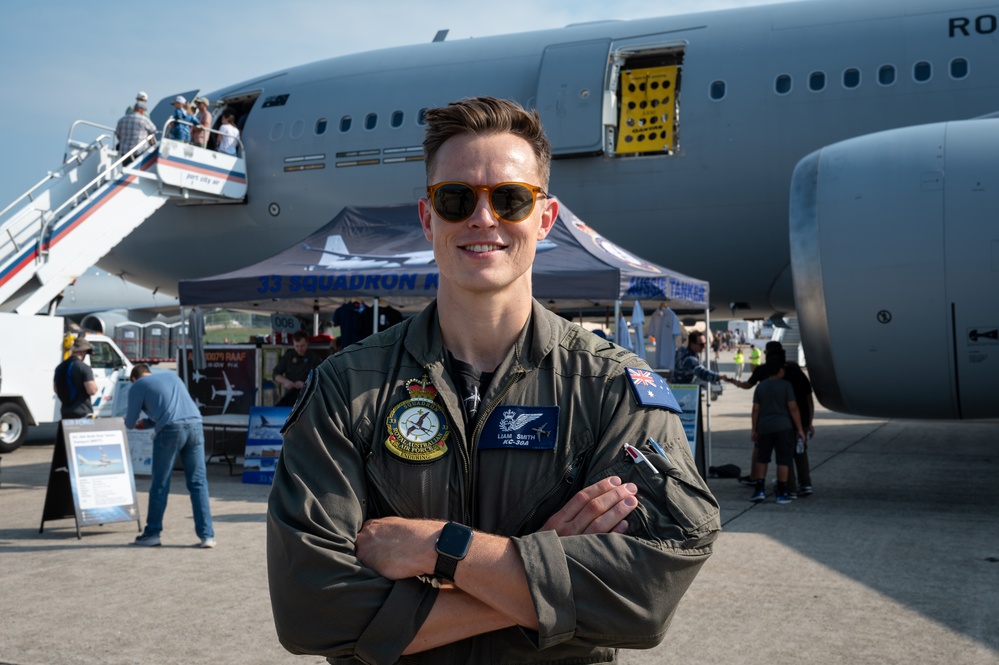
pixel 128 337
pixel 156 341
pixel 179 331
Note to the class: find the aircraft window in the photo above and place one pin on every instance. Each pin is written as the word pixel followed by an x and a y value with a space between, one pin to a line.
pixel 782 84
pixel 277 131
pixel 397 117
pixel 958 68
pixel 922 71
pixel 851 77
pixel 886 75
pixel 297 129
pixel 371 121
pixel 817 81
pixel 321 126
pixel 421 117
pixel 345 123
pixel 717 90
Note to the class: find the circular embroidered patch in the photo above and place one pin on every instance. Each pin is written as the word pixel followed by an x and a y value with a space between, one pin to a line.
pixel 417 427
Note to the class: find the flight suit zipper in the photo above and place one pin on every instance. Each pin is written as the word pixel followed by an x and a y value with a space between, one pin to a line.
pixel 477 430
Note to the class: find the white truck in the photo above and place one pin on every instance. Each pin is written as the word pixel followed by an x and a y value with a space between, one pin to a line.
pixel 30 349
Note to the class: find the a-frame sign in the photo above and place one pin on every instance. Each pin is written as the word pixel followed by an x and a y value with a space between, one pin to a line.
pixel 91 476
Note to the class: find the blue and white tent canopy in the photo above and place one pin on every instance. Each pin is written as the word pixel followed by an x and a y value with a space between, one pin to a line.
pixel 381 252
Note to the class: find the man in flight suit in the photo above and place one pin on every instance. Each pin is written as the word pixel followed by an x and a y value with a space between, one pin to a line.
pixel 458 488
pixel 294 367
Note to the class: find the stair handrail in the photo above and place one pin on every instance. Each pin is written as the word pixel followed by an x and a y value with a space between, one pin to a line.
pixel 68 160
pixel 52 175
pixel 99 139
pixel 53 215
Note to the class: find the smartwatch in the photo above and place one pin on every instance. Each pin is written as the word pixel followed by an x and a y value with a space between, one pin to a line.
pixel 452 546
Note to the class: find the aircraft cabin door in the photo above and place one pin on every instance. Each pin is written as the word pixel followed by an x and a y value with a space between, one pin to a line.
pixel 570 97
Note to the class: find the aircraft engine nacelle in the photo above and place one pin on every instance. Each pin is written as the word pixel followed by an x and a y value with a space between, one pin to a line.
pixel 105 322
pixel 895 261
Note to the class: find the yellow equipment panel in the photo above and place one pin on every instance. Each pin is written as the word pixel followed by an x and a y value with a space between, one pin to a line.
pixel 648 104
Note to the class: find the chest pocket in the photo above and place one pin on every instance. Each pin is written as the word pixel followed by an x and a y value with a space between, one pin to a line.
pixel 403 488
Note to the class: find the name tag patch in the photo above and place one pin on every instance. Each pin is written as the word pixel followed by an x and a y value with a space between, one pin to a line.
pixel 521 428
pixel 651 389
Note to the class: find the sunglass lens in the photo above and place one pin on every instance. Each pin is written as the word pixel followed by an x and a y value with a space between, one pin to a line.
pixel 454 202
pixel 513 202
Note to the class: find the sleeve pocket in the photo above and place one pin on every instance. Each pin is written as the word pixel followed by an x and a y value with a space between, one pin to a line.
pixel 670 506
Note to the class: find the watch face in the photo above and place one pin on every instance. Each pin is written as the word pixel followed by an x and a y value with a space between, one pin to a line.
pixel 454 540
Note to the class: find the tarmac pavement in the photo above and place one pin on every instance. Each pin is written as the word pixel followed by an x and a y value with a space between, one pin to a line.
pixel 894 559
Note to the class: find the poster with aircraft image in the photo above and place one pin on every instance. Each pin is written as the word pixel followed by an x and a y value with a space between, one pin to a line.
pixel 228 383
pixel 100 471
pixel 263 443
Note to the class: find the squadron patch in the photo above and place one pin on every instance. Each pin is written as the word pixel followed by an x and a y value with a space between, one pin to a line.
pixel 417 427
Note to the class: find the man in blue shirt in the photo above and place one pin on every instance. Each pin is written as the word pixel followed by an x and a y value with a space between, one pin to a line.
pixel 174 416
pixel 688 365
pixel 179 131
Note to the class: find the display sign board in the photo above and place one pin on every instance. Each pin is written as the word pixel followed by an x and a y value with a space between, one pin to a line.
pixel 91 475
pixel 140 445
pixel 689 398
pixel 263 443
pixel 228 384
pixel 285 323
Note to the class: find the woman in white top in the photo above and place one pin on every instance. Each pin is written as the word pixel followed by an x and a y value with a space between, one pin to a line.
pixel 229 134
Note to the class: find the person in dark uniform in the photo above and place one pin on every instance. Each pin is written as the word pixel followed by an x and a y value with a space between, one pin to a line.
pixel 74 382
pixel 294 367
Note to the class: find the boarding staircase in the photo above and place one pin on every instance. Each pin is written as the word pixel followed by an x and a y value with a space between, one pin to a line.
pixel 790 339
pixel 77 214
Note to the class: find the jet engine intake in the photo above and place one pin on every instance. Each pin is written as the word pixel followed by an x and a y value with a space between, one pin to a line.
pixel 895 261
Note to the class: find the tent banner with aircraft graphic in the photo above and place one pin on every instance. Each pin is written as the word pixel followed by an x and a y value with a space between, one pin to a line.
pixel 382 253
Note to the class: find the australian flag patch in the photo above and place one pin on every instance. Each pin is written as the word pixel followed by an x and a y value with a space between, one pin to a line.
pixel 651 389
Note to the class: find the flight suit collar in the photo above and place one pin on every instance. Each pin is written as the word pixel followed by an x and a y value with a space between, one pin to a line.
pixel 538 338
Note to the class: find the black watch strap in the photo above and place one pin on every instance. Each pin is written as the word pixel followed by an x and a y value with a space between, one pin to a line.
pixel 446 566
pixel 452 546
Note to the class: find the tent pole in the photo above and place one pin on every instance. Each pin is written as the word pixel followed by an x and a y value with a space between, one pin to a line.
pixel 707 410
pixel 183 345
pixel 315 317
pixel 617 318
pixel 374 316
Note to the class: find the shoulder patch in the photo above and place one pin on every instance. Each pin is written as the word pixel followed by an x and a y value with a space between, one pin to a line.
pixel 303 398
pixel 650 389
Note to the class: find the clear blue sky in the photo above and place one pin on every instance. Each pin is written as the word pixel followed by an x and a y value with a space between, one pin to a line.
pixel 63 60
